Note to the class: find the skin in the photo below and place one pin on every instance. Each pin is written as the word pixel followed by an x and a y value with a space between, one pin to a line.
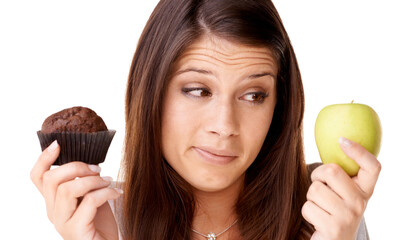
pixel 210 105
pixel 91 218
pixel 221 100
pixel 336 202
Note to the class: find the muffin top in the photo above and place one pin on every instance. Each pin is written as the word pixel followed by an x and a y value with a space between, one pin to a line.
pixel 75 119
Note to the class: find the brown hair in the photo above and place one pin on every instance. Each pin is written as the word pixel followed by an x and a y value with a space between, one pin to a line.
pixel 158 204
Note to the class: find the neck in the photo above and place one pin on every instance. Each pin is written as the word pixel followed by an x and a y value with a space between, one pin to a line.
pixel 215 211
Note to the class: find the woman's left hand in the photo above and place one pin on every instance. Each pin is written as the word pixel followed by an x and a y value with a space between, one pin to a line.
pixel 336 202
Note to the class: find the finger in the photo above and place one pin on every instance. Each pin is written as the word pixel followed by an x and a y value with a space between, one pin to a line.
pixel 43 164
pixel 87 209
pixel 316 216
pixel 369 166
pixel 69 192
pixel 338 180
pixel 53 178
pixel 325 198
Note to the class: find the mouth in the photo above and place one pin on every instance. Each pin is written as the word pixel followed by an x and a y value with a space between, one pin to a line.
pixel 216 157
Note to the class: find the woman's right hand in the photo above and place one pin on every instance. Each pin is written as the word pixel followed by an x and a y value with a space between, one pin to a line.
pixel 75 197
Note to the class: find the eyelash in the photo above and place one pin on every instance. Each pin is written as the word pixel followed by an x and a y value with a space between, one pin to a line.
pixel 188 91
pixel 261 96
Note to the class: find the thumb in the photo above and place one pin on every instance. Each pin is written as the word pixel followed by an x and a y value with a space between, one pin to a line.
pixel 43 164
pixel 369 166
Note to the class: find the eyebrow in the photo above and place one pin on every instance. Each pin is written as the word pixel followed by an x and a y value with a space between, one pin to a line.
pixel 206 72
pixel 202 71
pixel 258 75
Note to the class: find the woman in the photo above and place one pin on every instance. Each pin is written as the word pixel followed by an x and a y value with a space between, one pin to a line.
pixel 213 146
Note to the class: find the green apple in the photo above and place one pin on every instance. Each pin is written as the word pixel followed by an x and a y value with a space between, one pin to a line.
pixel 357 122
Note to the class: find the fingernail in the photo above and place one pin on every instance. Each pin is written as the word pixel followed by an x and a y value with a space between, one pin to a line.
pixel 118 190
pixel 95 168
pixel 107 179
pixel 344 142
pixel 53 146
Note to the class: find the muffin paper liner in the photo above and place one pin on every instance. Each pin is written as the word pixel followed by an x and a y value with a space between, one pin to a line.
pixel 90 148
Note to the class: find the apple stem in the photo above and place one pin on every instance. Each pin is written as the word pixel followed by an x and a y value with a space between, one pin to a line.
pixel 352 101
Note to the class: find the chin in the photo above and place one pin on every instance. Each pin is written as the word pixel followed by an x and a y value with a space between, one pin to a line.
pixel 209 188
pixel 215 182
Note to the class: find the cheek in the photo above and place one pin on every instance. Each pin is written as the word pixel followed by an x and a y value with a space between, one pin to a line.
pixel 254 129
pixel 177 127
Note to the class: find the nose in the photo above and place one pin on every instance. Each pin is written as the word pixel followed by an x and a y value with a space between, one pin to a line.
pixel 223 119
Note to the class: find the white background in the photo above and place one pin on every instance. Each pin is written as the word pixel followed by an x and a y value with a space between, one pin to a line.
pixel 58 54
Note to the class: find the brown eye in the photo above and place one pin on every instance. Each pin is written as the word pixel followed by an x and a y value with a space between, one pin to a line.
pixel 197 92
pixel 255 97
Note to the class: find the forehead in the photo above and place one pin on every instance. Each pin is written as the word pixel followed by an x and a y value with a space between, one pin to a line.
pixel 219 51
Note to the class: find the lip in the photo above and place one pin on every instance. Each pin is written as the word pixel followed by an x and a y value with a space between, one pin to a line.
pixel 215 156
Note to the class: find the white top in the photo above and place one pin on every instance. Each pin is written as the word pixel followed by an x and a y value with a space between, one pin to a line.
pixel 362 233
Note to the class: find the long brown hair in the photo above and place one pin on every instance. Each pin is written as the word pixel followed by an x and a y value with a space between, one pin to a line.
pixel 158 204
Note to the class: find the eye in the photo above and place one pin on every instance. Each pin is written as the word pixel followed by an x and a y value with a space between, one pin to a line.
pixel 197 92
pixel 255 97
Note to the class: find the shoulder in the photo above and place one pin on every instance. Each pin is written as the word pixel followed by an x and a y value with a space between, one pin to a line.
pixel 362 232
pixel 116 207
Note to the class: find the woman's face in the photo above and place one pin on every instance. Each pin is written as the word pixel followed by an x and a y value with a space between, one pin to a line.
pixel 217 111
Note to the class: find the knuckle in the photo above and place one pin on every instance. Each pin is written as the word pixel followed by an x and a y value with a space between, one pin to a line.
pixel 33 176
pixel 47 177
pixel 317 186
pixel 63 191
pixel 377 166
pixel 359 206
pixel 50 217
pixel 313 189
pixel 90 199
pixel 333 169
pixel 309 192
pixel 304 209
pixel 350 215
pixel 73 167
pixel 92 182
pixel 78 168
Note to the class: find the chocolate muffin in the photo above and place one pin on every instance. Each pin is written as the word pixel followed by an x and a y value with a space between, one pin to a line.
pixel 81 134
pixel 75 119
